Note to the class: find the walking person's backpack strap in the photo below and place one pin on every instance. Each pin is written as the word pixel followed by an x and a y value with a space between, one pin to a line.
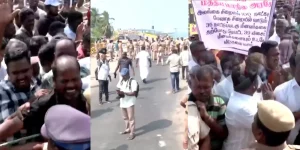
pixel 137 88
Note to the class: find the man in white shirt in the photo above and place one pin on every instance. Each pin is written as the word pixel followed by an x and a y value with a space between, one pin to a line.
pixel 102 74
pixel 280 26
pixel 174 62
pixel 127 91
pixel 184 58
pixel 143 61
pixel 241 110
pixel 288 94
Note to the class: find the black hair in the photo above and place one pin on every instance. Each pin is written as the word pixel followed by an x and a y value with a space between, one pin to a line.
pixel 243 80
pixel 36 42
pixel 267 45
pixel 210 58
pixel 56 27
pixel 16 50
pixel 55 64
pixel 24 13
pixel 255 49
pixel 272 138
pixel 73 16
pixel 46 53
pixel 288 7
pixel 86 36
pixel 292 60
pixel 195 44
pixel 201 72
pixel 4 43
pixel 225 59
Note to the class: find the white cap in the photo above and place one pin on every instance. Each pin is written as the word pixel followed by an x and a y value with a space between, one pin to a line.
pixel 52 2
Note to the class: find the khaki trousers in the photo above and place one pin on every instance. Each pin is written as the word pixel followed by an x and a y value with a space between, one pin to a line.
pixel 128 116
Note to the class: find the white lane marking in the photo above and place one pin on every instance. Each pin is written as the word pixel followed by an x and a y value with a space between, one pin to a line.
pixel 161 143
pixel 158 135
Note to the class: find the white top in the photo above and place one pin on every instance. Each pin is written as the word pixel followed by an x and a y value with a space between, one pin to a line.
pixel 85 62
pixel 86 81
pixel 127 101
pixel 239 117
pixel 225 88
pixel 288 93
pixel 70 34
pixel 103 71
pixel 275 37
pixel 192 63
pixel 174 62
pixel 184 58
pixel 143 57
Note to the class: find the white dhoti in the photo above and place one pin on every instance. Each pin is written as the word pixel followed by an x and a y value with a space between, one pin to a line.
pixel 144 71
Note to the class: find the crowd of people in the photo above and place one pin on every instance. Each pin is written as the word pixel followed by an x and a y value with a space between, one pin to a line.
pixel 45 72
pixel 249 101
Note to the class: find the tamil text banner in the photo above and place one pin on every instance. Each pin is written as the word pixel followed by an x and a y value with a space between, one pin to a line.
pixel 233 25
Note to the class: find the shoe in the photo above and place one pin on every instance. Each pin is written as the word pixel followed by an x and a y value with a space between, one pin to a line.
pixel 131 137
pixel 108 102
pixel 124 132
pixel 100 103
pixel 144 81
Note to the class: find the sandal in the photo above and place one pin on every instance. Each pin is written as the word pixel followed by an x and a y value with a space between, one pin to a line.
pixel 124 132
pixel 131 137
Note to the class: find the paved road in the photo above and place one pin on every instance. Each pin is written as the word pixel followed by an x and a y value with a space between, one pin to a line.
pixel 158 116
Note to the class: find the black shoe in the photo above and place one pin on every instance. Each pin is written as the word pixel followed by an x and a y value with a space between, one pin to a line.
pixel 144 81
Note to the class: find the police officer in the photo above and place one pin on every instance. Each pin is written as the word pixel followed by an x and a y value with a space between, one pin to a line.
pixel 271 127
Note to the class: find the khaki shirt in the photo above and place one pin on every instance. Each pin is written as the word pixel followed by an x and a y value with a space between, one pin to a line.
pixel 258 146
pixel 197 129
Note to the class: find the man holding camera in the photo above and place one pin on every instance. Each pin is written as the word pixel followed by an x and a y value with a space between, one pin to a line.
pixel 128 90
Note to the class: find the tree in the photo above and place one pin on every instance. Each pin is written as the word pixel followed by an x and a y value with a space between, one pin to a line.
pixel 100 24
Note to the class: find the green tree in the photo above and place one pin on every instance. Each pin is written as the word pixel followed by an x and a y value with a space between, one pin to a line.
pixel 101 25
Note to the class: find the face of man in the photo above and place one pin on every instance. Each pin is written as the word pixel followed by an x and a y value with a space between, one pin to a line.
pixel 53 10
pixel 20 73
pixel 280 28
pixel 33 3
pixel 29 22
pixel 199 53
pixel 68 83
pixel 86 48
pixel 201 88
pixel 272 58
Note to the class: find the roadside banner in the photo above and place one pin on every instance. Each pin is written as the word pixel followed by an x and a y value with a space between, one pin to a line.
pixel 233 25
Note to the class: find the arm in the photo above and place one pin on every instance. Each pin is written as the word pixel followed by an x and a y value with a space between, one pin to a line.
pixel 133 89
pixel 205 143
pixel 218 126
pixel 132 68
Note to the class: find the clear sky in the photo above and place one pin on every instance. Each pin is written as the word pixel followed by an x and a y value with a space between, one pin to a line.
pixel 165 15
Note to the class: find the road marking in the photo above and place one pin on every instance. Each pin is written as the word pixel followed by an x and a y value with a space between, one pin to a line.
pixel 161 143
pixel 158 135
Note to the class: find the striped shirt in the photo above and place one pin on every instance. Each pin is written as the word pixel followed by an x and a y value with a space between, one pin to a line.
pixel 216 108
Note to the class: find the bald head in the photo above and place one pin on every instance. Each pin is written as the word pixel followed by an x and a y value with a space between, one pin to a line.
pixel 64 63
pixel 65 47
